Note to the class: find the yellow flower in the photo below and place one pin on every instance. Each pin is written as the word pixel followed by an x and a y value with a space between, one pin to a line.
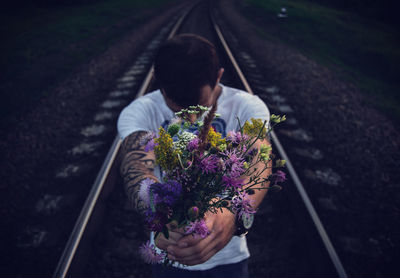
pixel 254 128
pixel 166 155
pixel 214 138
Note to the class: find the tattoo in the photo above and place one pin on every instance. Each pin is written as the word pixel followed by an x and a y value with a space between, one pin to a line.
pixel 136 166
pixel 132 142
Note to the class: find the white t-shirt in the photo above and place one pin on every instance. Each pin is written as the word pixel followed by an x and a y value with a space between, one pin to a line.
pixel 150 111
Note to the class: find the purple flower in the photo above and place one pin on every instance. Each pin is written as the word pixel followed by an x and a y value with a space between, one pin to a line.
pixel 197 228
pixel 234 183
pixel 236 137
pixel 279 176
pixel 231 136
pixel 155 220
pixel 209 164
pixel 147 137
pixel 193 144
pixel 241 204
pixel 232 157
pixel 250 155
pixel 236 170
pixel 150 145
pixel 149 254
pixel 166 193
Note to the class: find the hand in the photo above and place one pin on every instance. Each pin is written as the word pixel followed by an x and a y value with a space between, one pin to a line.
pixel 174 234
pixel 192 251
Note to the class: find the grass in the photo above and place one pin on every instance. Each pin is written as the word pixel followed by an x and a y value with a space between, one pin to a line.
pixel 41 46
pixel 30 34
pixel 365 52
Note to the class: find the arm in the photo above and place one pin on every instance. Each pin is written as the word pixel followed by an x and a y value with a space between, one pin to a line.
pixel 136 165
pixel 259 194
pixel 192 251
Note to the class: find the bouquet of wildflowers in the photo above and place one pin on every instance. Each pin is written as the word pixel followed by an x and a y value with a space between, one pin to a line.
pixel 203 172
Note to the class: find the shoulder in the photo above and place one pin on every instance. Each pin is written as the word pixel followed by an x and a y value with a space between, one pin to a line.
pixel 149 100
pixel 136 116
pixel 240 95
pixel 142 105
pixel 247 102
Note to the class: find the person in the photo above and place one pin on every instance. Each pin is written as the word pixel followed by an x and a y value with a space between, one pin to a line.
pixel 187 70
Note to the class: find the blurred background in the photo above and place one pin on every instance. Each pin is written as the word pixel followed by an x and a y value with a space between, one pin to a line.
pixel 43 40
pixel 59 60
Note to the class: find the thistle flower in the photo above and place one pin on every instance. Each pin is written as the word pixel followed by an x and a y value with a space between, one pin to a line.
pixel 241 205
pixel 279 176
pixel 198 228
pixel 193 144
pixel 237 170
pixel 144 191
pixel 236 137
pixel 209 164
pixel 150 145
pixel 147 137
pixel 234 183
pixel 232 157
pixel 149 254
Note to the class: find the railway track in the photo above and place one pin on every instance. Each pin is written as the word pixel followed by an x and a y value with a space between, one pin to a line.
pixel 288 239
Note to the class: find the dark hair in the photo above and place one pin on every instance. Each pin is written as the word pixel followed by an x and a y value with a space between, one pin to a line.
pixel 185 64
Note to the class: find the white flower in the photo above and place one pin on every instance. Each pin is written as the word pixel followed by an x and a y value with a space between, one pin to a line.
pixel 183 140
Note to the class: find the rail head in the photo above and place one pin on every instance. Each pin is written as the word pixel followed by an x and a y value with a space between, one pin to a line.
pixel 111 159
pixel 292 172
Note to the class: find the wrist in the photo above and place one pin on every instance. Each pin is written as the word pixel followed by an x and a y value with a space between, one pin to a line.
pixel 243 223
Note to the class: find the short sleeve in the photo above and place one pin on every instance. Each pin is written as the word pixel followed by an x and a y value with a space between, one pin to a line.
pixel 254 107
pixel 133 118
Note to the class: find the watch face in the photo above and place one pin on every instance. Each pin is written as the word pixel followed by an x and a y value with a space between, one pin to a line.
pixel 247 221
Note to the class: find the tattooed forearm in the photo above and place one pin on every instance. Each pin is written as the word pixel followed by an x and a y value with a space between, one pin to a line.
pixel 136 166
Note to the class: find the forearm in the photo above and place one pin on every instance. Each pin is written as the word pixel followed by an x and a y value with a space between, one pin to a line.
pixel 262 171
pixel 222 223
pixel 136 165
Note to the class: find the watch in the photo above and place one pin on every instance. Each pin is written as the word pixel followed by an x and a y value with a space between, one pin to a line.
pixel 243 224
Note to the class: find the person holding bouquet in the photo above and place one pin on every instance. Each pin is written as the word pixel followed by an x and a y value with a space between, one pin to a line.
pixel 188 74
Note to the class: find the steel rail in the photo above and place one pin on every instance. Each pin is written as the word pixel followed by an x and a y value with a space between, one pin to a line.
pixel 310 208
pixel 98 186
pixel 86 212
